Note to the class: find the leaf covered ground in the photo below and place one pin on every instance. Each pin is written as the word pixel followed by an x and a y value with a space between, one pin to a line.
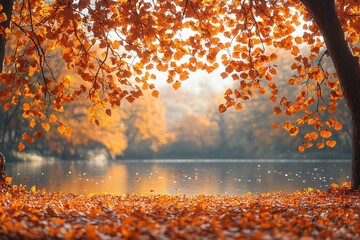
pixel 308 214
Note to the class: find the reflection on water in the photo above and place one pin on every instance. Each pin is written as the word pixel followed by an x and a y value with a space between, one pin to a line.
pixel 233 177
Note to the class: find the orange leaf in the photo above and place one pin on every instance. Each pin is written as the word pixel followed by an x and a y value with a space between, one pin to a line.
pixel 8 180
pixel 314 135
pixel 26 106
pixel 108 112
pixel 244 75
pixel 68 131
pixel 262 90
pixel 161 67
pixel 32 70
pixel 273 57
pixel 228 92
pixel 21 146
pixel 184 75
pixel 61 129
pixel 298 40
pixel 14 100
pixel 320 145
pixel 66 80
pixel 32 123
pixel 294 131
pixel 307 137
pixel 277 110
pixel 52 118
pixel 272 71
pixel 252 74
pixel 238 106
pixel 3 16
pixel 331 143
pixel 83 88
pixel 272 98
pixel 346 184
pixel 45 126
pixel 38 134
pixel 92 111
pixel 301 148
pixel 325 133
pixel 295 50
pixel 224 75
pixel 130 99
pixel 338 126
pixel 222 108
pixel 155 93
pixel 6 107
pixel 30 139
pixel 176 85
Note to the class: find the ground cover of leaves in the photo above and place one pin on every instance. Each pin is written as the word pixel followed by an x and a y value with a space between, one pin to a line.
pixel 307 214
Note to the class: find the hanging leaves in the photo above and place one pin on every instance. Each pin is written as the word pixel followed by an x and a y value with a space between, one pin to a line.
pixel 112 50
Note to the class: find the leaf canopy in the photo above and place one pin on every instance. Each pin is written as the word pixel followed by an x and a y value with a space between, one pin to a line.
pixel 116 49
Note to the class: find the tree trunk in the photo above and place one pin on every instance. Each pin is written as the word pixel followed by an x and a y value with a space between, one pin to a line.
pixel 347 67
pixel 7 9
pixel 2 169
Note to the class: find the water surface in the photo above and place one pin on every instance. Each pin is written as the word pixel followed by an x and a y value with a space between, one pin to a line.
pixel 232 177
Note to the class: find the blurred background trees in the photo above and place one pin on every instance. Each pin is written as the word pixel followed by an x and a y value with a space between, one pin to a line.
pixel 181 124
pixel 187 125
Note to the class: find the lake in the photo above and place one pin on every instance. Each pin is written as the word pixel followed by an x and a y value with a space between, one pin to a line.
pixel 232 177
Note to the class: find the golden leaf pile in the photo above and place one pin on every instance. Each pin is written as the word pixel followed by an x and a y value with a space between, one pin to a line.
pixel 309 214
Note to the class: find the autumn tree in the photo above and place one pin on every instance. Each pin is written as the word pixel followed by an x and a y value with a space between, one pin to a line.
pixel 344 52
pixel 137 39
pixel 108 138
pixel 145 127
pixel 194 136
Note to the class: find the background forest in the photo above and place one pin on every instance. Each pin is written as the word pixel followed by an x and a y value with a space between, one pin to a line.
pixel 175 124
